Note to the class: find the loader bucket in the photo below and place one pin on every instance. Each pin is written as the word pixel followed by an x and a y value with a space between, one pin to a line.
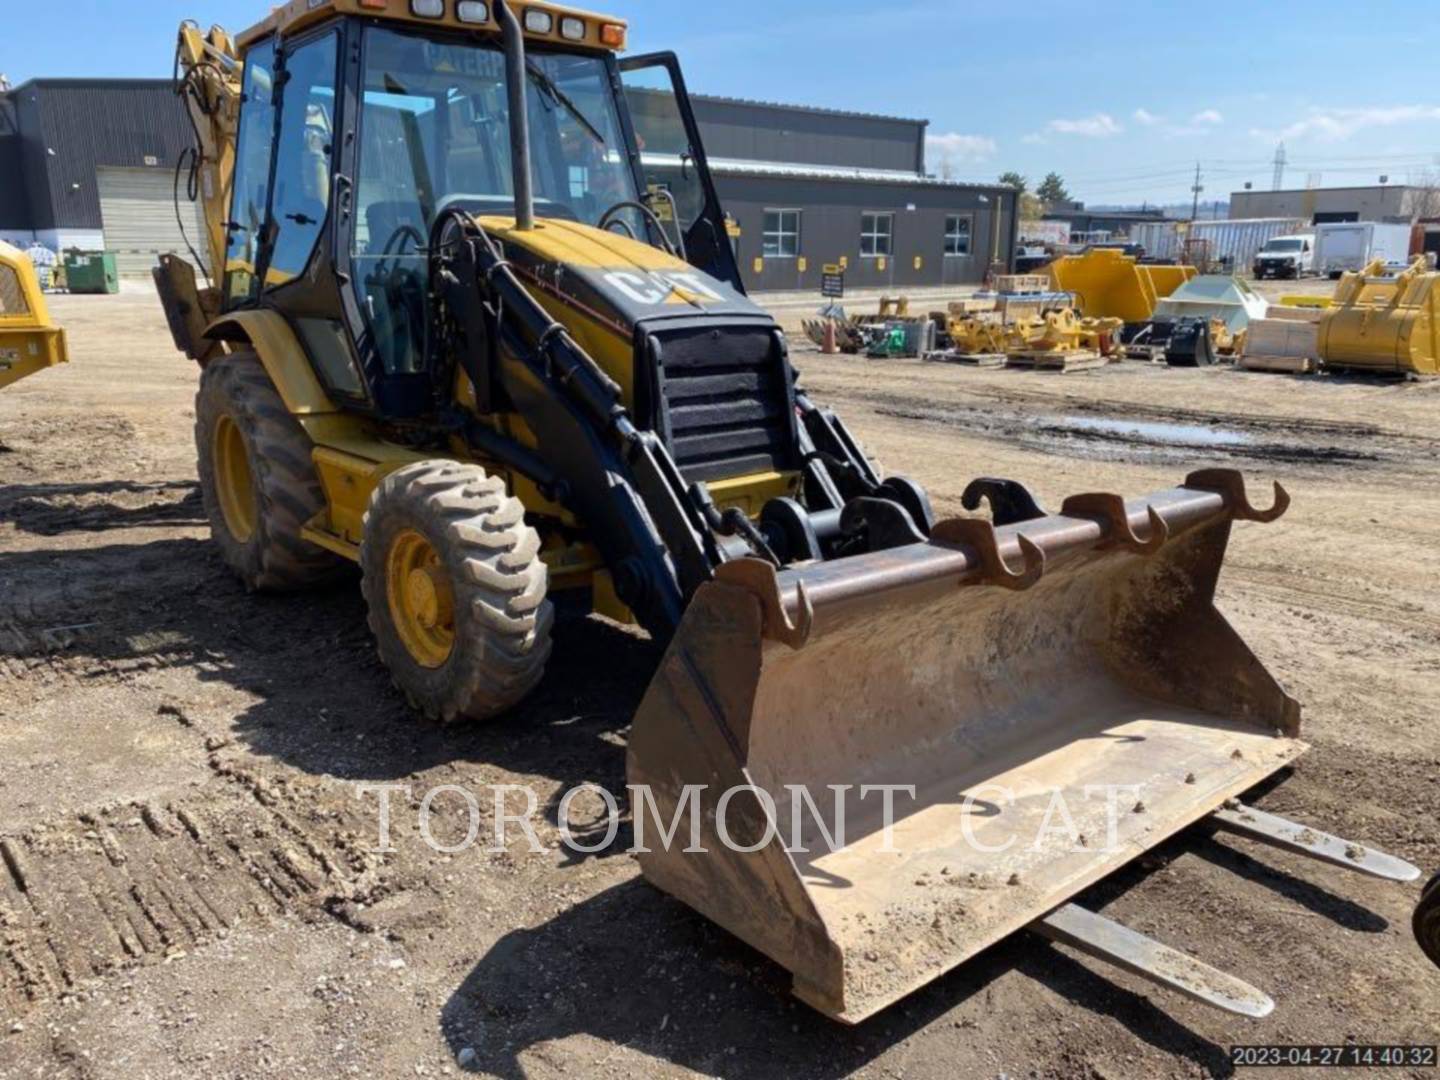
pixel 1384 323
pixel 1110 284
pixel 993 674
pixel 29 341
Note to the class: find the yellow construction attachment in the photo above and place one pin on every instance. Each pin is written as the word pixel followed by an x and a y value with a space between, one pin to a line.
pixel 29 341
pixel 977 335
pixel 1384 323
pixel 1107 283
pixel 1044 701
pixel 1064 330
pixel 1061 331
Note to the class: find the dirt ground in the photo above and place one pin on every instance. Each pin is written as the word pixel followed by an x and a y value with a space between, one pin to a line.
pixel 189 883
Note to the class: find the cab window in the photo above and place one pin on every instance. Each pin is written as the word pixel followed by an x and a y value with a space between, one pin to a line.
pixel 251 194
pixel 435 133
pixel 302 159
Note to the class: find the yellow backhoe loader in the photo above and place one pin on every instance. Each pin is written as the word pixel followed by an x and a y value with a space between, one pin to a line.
pixel 29 341
pixel 478 327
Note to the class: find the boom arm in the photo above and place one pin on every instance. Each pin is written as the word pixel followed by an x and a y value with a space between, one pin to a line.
pixel 208 77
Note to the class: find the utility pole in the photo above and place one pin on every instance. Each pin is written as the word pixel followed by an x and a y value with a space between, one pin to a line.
pixel 1196 190
pixel 1278 181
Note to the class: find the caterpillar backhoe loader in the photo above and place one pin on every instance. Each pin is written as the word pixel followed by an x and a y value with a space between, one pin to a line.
pixel 477 327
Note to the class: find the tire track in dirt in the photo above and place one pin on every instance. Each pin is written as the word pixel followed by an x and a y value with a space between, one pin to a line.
pixel 144 883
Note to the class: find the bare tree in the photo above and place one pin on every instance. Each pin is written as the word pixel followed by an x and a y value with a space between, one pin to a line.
pixel 1425 193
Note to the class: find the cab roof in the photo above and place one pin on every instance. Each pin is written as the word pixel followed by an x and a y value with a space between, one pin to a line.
pixel 599 31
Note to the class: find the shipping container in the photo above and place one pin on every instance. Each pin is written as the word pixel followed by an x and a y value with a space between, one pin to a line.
pixel 1160 239
pixel 1233 244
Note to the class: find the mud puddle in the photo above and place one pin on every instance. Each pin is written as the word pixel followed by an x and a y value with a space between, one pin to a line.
pixel 1152 431
pixel 1115 438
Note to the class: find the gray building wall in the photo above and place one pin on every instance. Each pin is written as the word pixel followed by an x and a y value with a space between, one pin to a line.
pixel 14 202
pixel 830 214
pixel 1392 203
pixel 70 128
pixel 760 131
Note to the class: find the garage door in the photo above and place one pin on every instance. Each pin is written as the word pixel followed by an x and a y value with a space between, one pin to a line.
pixel 137 207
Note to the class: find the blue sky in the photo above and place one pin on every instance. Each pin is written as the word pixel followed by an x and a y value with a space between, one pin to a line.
pixel 1120 98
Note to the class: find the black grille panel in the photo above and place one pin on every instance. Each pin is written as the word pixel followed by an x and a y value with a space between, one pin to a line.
pixel 722 398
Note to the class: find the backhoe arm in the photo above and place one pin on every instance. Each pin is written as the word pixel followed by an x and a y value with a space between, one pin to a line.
pixel 208 77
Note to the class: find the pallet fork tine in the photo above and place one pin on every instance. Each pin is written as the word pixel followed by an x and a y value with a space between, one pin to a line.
pixel 1299 839
pixel 1107 940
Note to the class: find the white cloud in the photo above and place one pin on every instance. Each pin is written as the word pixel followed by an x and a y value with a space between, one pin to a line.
pixel 1146 117
pixel 1207 116
pixel 1099 126
pixel 960 148
pixel 1033 139
pixel 1336 125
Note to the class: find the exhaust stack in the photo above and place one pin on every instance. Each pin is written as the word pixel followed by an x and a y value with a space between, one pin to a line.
pixel 516 80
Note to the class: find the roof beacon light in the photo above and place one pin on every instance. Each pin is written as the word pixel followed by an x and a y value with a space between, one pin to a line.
pixel 473 11
pixel 612 35
pixel 539 22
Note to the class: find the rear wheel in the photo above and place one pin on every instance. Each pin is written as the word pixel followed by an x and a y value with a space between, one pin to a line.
pixel 256 477
pixel 456 590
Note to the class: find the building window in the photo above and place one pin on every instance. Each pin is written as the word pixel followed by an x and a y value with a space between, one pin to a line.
pixel 782 234
pixel 877 233
pixel 957 235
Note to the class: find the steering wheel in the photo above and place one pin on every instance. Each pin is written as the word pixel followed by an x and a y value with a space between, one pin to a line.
pixel 395 246
pixel 610 218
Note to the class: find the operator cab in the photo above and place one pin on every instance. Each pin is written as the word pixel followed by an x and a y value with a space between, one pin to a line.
pixel 357 133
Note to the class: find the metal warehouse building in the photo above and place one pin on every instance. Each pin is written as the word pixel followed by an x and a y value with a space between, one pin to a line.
pixel 810 187
pixel 90 163
pixel 1394 203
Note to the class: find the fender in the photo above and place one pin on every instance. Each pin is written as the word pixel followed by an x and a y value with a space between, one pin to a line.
pixel 281 354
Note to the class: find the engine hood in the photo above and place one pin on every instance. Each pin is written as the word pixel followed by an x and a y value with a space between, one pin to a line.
pixel 614 279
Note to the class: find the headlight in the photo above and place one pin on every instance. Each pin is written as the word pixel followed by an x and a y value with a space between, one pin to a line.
pixel 473 11
pixel 572 29
pixel 539 22
pixel 428 9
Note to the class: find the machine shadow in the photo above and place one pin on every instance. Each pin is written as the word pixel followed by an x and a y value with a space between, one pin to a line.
pixel 1140 1016
pixel 318 697
pixel 575 976
pixel 1313 898
pixel 101 506
pixel 693 996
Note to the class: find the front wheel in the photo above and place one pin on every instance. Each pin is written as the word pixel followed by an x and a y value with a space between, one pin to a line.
pixel 1427 920
pixel 456 590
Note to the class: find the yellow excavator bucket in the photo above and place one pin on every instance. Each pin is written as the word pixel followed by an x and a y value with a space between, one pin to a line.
pixel 29 341
pixel 1384 322
pixel 1107 283
pixel 1043 701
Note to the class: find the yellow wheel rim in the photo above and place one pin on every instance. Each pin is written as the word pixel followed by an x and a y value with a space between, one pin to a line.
pixel 421 598
pixel 234 484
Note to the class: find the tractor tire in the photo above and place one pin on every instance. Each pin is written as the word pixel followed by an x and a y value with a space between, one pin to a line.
pixel 1427 920
pixel 257 480
pixel 456 590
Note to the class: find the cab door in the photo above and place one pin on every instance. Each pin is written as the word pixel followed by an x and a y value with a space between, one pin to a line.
pixel 672 162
